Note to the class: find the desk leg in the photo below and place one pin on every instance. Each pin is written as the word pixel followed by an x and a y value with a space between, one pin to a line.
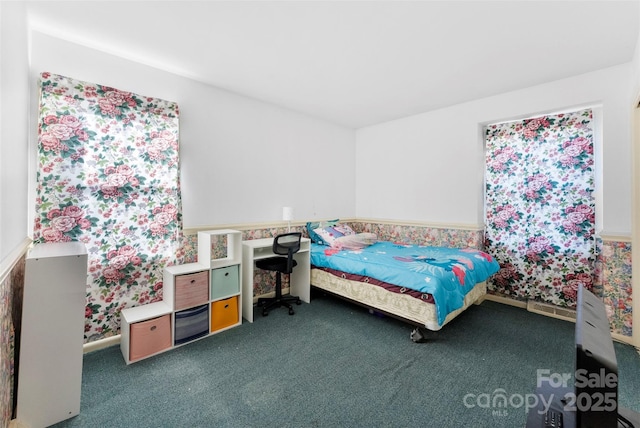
pixel 301 278
pixel 247 285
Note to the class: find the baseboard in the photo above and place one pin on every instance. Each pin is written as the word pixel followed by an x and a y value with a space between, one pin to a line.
pixel 506 300
pixel 564 314
pixel 101 344
pixel 269 295
pixel 536 307
pixel 627 340
pixel 531 306
pixel 115 340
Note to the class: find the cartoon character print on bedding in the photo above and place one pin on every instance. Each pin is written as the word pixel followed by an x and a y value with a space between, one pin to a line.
pixel 458 265
pixel 424 263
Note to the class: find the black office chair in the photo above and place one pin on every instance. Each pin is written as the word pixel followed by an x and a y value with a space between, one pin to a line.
pixel 286 244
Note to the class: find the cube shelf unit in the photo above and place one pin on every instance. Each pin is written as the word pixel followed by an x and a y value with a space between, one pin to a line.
pixel 199 299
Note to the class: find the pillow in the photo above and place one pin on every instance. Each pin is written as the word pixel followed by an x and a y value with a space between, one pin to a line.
pixel 312 225
pixel 330 233
pixel 355 242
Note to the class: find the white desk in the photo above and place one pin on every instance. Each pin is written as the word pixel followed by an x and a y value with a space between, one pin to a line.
pixel 300 279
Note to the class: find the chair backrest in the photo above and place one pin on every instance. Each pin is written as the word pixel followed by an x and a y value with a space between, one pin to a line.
pixel 287 244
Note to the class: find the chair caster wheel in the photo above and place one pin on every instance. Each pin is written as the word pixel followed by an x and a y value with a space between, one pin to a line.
pixel 265 313
pixel 298 302
pixel 291 312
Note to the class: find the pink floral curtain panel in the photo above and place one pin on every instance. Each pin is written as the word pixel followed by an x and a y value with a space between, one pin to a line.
pixel 108 176
pixel 540 205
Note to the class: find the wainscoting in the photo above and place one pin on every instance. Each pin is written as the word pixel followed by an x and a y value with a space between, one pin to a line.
pixel 613 262
pixel 11 288
pixel 613 279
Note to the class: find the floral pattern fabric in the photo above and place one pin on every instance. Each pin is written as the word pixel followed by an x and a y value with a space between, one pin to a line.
pixel 540 207
pixel 108 176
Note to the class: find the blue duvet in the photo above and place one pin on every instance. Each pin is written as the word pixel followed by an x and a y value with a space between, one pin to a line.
pixel 448 274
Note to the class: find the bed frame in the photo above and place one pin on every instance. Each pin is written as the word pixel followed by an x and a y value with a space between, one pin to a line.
pixel 407 308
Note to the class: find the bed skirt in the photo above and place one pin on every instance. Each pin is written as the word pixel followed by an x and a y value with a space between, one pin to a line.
pixel 403 306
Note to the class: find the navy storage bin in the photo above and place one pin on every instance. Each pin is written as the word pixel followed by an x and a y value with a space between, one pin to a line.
pixel 191 324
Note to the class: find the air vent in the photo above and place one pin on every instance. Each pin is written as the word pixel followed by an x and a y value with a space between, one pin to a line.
pixel 551 310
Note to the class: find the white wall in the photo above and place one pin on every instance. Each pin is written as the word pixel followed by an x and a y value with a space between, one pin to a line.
pixel 427 167
pixel 242 160
pixel 430 167
pixel 635 223
pixel 14 116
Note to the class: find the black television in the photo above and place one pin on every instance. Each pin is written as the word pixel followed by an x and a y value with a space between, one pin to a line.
pixel 592 400
pixel 596 376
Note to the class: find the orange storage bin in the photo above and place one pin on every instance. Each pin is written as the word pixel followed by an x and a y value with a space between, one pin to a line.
pixel 150 336
pixel 224 313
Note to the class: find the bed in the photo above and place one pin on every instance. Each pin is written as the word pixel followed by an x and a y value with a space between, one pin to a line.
pixel 423 285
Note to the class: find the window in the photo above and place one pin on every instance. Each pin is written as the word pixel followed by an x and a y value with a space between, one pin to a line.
pixel 108 176
pixel 540 206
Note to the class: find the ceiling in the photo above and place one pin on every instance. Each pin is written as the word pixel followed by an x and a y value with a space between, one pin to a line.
pixel 356 63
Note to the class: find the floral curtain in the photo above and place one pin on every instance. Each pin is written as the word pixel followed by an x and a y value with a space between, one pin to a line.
pixel 108 176
pixel 540 206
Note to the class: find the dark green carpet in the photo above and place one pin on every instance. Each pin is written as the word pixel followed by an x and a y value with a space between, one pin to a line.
pixel 335 365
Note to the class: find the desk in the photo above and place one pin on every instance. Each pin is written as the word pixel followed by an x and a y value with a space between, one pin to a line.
pixel 255 249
